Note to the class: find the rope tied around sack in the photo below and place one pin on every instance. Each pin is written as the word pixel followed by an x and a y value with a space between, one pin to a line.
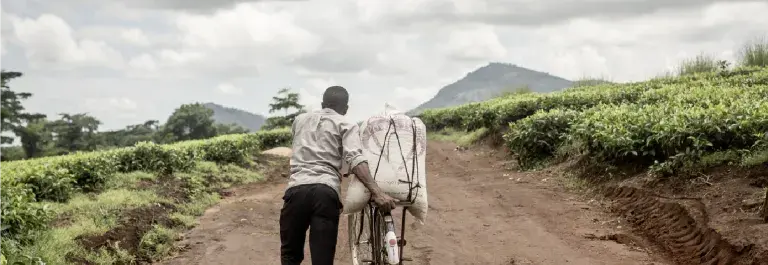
pixel 392 127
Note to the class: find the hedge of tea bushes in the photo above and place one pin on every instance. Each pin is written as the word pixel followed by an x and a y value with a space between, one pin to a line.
pixel 733 112
pixel 655 120
pixel 722 120
pixel 57 178
pixel 500 111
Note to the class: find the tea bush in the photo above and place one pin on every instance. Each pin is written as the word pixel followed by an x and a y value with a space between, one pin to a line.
pixel 670 121
pixel 26 183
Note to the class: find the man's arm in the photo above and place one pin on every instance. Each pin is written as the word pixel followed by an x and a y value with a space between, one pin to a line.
pixel 358 165
pixel 363 174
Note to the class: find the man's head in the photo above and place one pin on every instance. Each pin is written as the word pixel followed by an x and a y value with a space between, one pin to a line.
pixel 337 99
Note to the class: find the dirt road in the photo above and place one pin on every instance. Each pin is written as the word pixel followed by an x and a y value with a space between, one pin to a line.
pixel 480 213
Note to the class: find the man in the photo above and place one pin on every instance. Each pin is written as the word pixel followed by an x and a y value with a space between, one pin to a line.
pixel 322 141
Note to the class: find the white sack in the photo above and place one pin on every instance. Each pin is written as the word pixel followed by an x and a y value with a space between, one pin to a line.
pixel 392 168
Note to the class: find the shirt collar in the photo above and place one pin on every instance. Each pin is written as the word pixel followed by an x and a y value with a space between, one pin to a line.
pixel 327 111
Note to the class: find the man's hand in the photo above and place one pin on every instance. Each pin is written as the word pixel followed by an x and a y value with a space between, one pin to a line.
pixel 384 201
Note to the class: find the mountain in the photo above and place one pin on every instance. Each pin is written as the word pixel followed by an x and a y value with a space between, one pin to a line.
pixel 490 81
pixel 226 115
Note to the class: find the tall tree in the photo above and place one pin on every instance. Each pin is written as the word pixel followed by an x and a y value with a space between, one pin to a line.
pixel 131 135
pixel 36 138
pixel 76 132
pixel 285 100
pixel 190 122
pixel 13 115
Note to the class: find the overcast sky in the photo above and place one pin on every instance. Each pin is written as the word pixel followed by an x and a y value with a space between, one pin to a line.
pixel 127 61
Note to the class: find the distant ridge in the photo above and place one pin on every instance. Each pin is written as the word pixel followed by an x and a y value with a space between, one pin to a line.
pixel 489 81
pixel 227 115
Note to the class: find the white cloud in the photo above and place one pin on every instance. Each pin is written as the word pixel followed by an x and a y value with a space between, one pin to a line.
pixel 255 27
pixel 407 98
pixel 48 41
pixel 229 89
pixel 135 36
pixel 168 63
pixel 230 43
pixel 122 103
pixel 4 21
pixel 320 84
pixel 381 52
pixel 121 108
pixel 310 99
pixel 144 62
pixel 474 43
pixel 110 104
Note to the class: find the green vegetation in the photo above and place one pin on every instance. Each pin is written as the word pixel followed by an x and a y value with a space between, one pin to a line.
pixel 754 53
pixel 706 116
pixel 64 209
pixel 463 139
pixel 124 199
pixel 702 63
pixel 591 81
pixel 40 136
pixel 285 100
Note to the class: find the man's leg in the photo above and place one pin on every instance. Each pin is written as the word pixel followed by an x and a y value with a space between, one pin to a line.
pixel 324 227
pixel 294 221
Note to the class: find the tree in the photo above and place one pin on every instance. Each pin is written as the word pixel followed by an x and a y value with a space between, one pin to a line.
pixel 131 135
pixel 222 129
pixel 191 122
pixel 285 100
pixel 13 116
pixel 36 138
pixel 76 132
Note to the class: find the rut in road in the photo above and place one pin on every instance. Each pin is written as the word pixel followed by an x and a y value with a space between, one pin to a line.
pixel 480 213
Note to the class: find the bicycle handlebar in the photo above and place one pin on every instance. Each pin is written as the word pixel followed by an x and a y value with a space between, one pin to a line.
pixel 404 203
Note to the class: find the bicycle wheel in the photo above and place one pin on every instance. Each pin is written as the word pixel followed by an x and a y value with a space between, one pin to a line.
pixel 359 235
pixel 379 234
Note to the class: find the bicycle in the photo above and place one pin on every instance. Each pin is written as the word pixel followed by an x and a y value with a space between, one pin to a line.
pixel 367 232
pixel 373 247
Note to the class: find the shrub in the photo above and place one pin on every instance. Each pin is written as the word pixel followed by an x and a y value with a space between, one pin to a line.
pixel 754 53
pixel 26 183
pixel 21 216
pixel 537 137
pixel 702 63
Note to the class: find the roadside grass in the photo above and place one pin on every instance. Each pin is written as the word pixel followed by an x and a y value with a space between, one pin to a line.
pixel 461 138
pixel 136 219
pixel 85 215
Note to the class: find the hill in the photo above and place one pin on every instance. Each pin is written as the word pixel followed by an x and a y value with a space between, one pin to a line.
pixel 226 115
pixel 492 80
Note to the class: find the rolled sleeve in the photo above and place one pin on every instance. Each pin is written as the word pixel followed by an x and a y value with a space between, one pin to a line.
pixel 351 144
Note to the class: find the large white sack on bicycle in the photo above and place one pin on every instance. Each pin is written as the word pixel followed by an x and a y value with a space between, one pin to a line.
pixel 394 167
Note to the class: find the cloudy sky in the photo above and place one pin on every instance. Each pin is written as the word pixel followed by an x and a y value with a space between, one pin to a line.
pixel 127 61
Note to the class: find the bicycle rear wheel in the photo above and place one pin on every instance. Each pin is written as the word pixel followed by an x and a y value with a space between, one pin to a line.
pixel 359 234
pixel 379 235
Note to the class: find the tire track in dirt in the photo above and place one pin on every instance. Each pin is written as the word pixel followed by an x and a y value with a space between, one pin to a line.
pixel 478 214
pixel 672 227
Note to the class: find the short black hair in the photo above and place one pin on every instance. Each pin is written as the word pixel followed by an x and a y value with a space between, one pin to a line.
pixel 336 96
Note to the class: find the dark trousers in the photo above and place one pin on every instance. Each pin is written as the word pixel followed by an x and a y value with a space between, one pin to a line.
pixel 313 206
